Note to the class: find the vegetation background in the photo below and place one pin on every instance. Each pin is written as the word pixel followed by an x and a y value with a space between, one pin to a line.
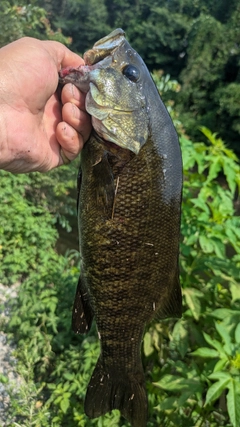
pixel 192 365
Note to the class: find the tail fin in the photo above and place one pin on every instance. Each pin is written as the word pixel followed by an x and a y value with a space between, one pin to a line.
pixel 109 389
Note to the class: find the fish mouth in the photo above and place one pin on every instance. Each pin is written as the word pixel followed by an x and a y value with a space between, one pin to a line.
pixel 81 76
pixel 100 56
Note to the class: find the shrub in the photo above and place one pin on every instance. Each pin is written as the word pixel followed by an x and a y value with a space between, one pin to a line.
pixel 192 365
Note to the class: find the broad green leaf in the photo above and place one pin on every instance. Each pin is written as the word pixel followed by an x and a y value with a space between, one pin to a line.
pixel 64 405
pixel 228 168
pixel 205 352
pixel 215 390
pixel 233 402
pixel 168 403
pixel 235 291
pixel 201 203
pixel 193 296
pixel 222 313
pixel 147 344
pixel 206 244
pixel 180 336
pixel 214 343
pixel 169 382
pixel 187 394
pixel 223 332
pixel 219 248
pixel 220 376
pixel 183 398
pixel 69 376
pixel 215 167
pixel 221 364
pixel 237 334
pixel 176 383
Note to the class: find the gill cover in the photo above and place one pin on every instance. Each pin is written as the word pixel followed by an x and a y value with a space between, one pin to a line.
pixel 118 108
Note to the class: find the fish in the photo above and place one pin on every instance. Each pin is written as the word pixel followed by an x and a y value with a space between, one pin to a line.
pixel 129 210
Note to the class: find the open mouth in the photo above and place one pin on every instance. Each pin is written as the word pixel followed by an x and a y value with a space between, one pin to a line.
pixel 81 76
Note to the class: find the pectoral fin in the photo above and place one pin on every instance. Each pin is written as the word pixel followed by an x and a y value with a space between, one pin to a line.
pixel 105 189
pixel 79 181
pixel 82 314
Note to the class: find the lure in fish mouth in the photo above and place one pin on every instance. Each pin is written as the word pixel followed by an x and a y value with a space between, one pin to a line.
pixel 129 221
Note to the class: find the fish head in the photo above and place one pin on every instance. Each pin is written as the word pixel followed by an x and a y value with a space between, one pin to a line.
pixel 116 81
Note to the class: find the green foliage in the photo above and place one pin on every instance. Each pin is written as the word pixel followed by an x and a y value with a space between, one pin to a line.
pixel 24 19
pixel 192 366
pixel 195 41
pixel 83 20
pixel 199 357
pixel 211 79
pixel 34 203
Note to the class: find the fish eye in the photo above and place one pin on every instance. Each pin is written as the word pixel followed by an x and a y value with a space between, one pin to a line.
pixel 131 72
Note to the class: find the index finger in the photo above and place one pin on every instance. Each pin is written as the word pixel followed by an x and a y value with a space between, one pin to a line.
pixel 62 56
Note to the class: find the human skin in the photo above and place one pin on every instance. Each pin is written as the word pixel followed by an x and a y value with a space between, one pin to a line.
pixel 34 123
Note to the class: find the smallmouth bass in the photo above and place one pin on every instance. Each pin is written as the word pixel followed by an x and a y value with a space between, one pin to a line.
pixel 129 219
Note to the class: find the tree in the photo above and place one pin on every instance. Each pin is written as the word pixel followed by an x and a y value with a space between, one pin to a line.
pixel 85 21
pixel 210 93
pixel 18 20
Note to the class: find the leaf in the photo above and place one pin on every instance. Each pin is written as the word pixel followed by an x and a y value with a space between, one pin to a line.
pixel 222 313
pixel 223 332
pixel 176 383
pixel 183 398
pixel 206 244
pixel 147 344
pixel 215 167
pixel 169 382
pixel 69 376
pixel 221 364
pixel 205 352
pixel 180 336
pixel 193 296
pixel 215 391
pixel 214 343
pixel 210 136
pixel 64 405
pixel 220 376
pixel 235 291
pixel 233 402
pixel 228 168
pixel 237 334
pixel 167 403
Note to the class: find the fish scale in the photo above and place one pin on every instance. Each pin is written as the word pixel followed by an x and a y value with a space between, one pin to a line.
pixel 129 220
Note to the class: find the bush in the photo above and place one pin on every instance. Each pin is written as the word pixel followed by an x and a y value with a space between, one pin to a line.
pixel 192 365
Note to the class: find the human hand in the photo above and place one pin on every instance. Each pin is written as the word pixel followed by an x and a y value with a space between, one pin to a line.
pixel 34 125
